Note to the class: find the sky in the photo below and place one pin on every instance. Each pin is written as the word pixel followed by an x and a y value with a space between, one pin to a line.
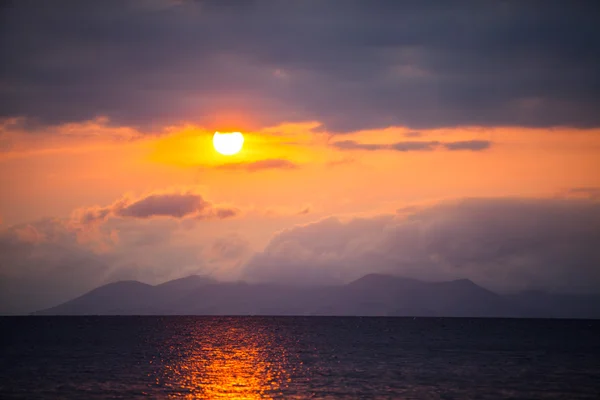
pixel 433 140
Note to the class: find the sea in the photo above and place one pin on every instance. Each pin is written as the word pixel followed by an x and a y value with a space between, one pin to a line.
pixel 298 358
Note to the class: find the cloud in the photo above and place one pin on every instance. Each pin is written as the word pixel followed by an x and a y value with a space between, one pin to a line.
pixel 229 247
pixel 176 205
pixel 222 213
pixel 227 254
pixel 260 165
pixel 163 205
pixel 354 145
pixel 414 146
pixel 46 262
pixel 304 211
pixel 92 215
pixel 22 137
pixel 472 145
pixel 42 263
pixel 501 243
pixel 297 210
pixel 376 64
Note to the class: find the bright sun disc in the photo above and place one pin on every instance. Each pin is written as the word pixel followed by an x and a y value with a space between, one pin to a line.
pixel 228 144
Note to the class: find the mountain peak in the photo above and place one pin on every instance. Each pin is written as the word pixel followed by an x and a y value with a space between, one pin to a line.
pixel 129 284
pixel 464 282
pixel 378 277
pixel 189 280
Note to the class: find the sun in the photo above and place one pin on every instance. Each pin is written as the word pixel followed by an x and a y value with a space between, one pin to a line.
pixel 228 144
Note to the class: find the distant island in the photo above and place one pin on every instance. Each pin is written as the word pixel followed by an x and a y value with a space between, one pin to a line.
pixel 371 295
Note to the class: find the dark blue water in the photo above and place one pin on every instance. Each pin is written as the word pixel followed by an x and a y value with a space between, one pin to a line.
pixel 295 357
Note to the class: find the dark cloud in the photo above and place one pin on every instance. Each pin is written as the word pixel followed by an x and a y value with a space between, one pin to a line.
pixel 354 145
pixel 223 212
pixel 174 205
pixel 275 163
pixel 164 205
pixel 503 244
pixel 473 145
pixel 414 146
pixel 360 64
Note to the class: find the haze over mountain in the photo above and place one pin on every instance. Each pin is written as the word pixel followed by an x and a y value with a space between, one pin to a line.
pixel 371 295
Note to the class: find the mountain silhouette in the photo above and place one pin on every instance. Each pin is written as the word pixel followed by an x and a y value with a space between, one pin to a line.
pixel 371 295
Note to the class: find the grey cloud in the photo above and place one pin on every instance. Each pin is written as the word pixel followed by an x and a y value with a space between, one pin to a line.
pixel 414 146
pixel 473 145
pixel 503 244
pixel 361 64
pixel 164 205
pixel 223 212
pixel 174 205
pixel 354 145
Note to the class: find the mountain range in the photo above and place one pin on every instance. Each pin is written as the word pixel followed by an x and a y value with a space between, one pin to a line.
pixel 371 295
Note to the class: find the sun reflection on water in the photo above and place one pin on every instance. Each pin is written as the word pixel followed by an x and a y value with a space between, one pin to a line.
pixel 226 361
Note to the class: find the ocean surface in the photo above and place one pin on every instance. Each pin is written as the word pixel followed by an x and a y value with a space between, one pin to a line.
pixel 298 357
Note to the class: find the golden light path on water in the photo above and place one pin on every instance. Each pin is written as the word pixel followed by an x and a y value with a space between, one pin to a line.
pixel 226 361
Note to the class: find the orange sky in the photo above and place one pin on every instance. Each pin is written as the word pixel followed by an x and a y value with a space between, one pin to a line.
pixel 93 181
pixel 93 163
